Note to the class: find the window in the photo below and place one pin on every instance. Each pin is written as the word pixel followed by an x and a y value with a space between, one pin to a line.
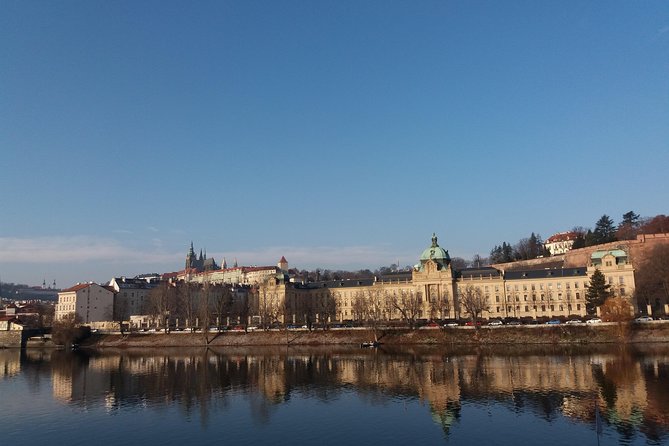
pixel 578 295
pixel 622 291
pixel 578 307
pixel 621 280
pixel 559 285
pixel 610 280
pixel 576 285
pixel 497 299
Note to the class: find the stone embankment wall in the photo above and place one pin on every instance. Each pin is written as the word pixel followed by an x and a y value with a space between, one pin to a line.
pixel 10 339
pixel 566 335
pixel 637 249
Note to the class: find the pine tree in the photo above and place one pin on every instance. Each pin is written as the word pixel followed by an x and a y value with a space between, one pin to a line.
pixel 597 292
pixel 605 231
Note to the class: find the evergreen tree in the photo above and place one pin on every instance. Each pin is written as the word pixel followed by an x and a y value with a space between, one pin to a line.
pixel 629 227
pixel 579 242
pixel 605 231
pixel 597 292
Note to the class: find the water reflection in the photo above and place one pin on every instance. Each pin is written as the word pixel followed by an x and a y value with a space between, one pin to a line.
pixel 628 385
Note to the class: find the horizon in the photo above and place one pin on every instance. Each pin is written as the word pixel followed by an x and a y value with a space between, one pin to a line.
pixel 338 134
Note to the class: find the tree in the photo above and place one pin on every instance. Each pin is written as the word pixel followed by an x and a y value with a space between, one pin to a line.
pixel 163 303
pixel 327 309
pixel 597 292
pixel 440 305
pixel 604 230
pixel 409 304
pixel 369 306
pixel 656 225
pixel 474 302
pixel 67 330
pixel 652 280
pixel 629 227
pixel 222 302
pixel 618 309
pixel 501 254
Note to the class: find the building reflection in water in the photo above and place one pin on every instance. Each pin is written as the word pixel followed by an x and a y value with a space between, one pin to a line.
pixel 629 385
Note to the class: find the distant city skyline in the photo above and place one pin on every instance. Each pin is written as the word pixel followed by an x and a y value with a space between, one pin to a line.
pixel 340 135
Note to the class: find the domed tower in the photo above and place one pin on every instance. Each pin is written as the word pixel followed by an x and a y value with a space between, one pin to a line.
pixel 433 278
pixel 435 253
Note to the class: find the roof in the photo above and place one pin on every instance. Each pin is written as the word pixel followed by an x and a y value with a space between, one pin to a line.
pixel 485 272
pixel 545 273
pixel 336 284
pixel 77 287
pixel 613 252
pixel 283 260
pixel 562 237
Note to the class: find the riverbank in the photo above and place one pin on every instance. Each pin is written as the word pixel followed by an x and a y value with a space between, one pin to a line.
pixel 520 335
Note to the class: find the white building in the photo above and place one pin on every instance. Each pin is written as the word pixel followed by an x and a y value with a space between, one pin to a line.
pixel 131 295
pixel 561 242
pixel 89 302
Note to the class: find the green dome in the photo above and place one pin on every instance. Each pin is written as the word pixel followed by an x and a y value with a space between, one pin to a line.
pixel 436 253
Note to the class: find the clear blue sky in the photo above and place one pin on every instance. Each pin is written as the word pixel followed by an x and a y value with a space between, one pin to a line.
pixel 340 134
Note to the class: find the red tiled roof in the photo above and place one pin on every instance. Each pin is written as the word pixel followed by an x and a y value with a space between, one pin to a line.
pixel 562 237
pixel 81 286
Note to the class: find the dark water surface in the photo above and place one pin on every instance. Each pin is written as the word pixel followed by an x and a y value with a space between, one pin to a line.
pixel 336 396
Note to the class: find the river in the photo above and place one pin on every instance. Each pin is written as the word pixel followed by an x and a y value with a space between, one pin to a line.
pixel 337 396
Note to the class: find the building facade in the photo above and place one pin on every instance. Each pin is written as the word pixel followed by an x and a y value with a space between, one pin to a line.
pixel 87 302
pixel 434 290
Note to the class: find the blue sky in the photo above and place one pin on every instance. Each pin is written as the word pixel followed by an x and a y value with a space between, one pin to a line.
pixel 340 134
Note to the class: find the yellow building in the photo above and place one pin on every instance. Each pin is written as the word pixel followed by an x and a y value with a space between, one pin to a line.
pixel 434 290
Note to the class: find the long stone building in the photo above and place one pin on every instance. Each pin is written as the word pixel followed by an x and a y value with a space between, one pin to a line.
pixel 434 290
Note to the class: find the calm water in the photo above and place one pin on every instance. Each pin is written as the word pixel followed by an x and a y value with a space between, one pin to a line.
pixel 339 396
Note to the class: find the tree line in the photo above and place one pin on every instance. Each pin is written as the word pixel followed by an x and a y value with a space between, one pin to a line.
pixel 605 231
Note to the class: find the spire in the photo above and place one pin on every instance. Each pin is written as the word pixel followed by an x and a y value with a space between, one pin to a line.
pixel 205 253
pixel 235 266
pixel 200 253
pixel 225 264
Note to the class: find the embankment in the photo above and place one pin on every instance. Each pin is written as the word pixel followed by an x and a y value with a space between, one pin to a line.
pixel 522 335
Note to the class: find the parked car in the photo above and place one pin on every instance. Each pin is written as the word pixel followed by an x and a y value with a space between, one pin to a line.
pixel 471 323
pixel 495 322
pixel 574 322
pixel 513 322
pixel 432 324
pixel 643 319
pixel 553 322
pixel 594 320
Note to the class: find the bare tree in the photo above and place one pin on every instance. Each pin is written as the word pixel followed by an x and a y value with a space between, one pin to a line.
pixel 163 303
pixel 440 304
pixel 222 302
pixel 187 297
pixel 652 280
pixel 269 305
pixel 372 306
pixel 241 307
pixel 409 304
pixel 327 308
pixel 474 302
